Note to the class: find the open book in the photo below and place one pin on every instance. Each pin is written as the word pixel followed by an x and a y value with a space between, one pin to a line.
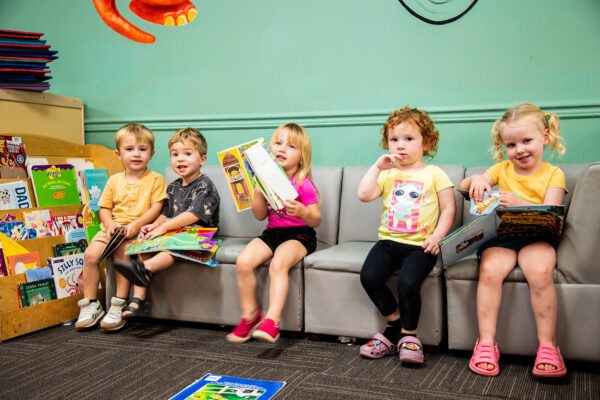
pixel 544 222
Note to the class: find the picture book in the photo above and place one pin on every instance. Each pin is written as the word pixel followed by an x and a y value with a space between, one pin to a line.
pixel 235 167
pixel 230 388
pixel 113 243
pixel 3 267
pixel 54 185
pixel 17 264
pixel 65 249
pixel 80 164
pixel 201 257
pixel 94 181
pixel 12 157
pixel 75 235
pixel 67 272
pixel 545 222
pixel 37 292
pixel 37 274
pixel 38 223
pixel 16 230
pixel 14 195
pixel 63 224
pixel 177 239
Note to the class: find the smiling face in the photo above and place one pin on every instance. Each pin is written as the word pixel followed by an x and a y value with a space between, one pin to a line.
pixel 524 145
pixel 287 153
pixel 134 153
pixel 405 139
pixel 186 161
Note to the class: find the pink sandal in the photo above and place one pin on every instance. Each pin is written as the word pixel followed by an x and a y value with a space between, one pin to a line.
pixel 549 355
pixel 485 353
pixel 378 347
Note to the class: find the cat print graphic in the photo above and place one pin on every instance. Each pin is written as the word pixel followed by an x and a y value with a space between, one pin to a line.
pixel 404 205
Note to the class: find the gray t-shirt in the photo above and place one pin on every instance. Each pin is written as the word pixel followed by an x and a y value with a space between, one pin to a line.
pixel 199 197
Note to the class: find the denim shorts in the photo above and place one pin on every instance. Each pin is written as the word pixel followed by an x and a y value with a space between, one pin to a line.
pixel 306 235
pixel 510 242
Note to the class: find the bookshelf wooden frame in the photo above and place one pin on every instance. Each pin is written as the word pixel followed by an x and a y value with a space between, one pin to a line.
pixel 16 321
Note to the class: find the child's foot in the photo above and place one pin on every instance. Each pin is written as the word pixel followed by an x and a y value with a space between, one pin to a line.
pixel 484 360
pixel 243 331
pixel 411 350
pixel 113 320
pixel 379 346
pixel 135 307
pixel 134 271
pixel 89 314
pixel 268 331
pixel 549 362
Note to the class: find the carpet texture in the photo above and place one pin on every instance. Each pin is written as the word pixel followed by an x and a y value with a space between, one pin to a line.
pixel 156 360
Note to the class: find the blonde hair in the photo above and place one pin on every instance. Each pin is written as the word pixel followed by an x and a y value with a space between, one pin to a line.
pixel 299 137
pixel 524 113
pixel 418 117
pixel 139 131
pixel 190 135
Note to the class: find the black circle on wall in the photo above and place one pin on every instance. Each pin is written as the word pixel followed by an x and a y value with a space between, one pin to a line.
pixel 436 12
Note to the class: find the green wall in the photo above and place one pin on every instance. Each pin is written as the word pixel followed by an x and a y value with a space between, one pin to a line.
pixel 242 68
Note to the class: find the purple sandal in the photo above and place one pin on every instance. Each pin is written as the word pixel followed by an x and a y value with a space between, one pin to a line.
pixel 378 347
pixel 411 350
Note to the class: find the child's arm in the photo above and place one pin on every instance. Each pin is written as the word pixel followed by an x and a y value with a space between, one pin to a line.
pixel 184 219
pixel 310 214
pixel 477 184
pixel 554 197
pixel 448 212
pixel 105 216
pixel 150 215
pixel 368 189
pixel 259 205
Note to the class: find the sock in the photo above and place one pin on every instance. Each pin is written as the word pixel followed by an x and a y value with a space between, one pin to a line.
pixel 92 300
pixel 392 331
pixel 403 334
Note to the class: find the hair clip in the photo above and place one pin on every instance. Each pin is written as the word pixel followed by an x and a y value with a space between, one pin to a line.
pixel 547 116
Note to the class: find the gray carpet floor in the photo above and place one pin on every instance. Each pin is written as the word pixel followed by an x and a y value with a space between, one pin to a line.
pixel 156 360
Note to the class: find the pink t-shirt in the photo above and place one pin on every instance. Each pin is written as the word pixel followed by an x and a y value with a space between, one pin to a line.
pixel 307 194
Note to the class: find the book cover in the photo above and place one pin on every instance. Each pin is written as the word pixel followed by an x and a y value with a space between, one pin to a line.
pixel 235 167
pixel 38 223
pixel 177 239
pixel 14 195
pixel 230 388
pixel 545 222
pixel 75 235
pixel 63 224
pixel 67 272
pixel 14 230
pixel 54 185
pixel 65 249
pixel 37 292
pixel 17 264
pixel 94 181
pixel 201 257
pixel 12 157
pixel 3 267
pixel 113 243
pixel 37 274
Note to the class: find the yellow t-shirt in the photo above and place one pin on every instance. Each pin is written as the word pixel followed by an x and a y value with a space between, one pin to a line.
pixel 532 188
pixel 410 203
pixel 129 201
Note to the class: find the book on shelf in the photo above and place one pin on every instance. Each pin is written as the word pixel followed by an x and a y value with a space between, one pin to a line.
pixel 236 169
pixel 67 272
pixel 177 239
pixel 63 224
pixel 38 223
pixel 65 249
pixel 94 181
pixel 37 274
pixel 14 195
pixel 54 185
pixel 12 157
pixel 541 221
pixel 16 230
pixel 113 243
pixel 80 164
pixel 229 387
pixel 36 292
pixel 3 267
pixel 18 263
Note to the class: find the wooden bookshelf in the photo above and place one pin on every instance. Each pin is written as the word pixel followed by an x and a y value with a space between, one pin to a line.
pixel 16 321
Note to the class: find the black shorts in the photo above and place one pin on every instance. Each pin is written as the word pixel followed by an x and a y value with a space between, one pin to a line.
pixel 306 235
pixel 510 242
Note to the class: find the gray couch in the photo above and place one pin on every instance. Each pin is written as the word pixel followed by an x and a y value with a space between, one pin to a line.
pixel 577 281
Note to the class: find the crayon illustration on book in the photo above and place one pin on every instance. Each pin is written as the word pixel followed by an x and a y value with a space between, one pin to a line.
pixel 237 173
pixel 540 221
pixel 229 388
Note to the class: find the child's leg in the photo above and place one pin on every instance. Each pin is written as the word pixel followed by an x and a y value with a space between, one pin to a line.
pixel 286 255
pixel 91 271
pixel 537 261
pixel 254 254
pixel 122 283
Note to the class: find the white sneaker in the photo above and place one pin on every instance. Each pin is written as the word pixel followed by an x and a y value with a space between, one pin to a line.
pixel 89 314
pixel 114 318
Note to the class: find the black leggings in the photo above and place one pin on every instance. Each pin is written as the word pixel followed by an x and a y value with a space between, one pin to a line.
pixel 414 264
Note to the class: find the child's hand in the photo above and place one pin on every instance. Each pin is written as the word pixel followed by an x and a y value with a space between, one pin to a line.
pixel 294 208
pixel 509 199
pixel 111 228
pixel 388 161
pixel 479 185
pixel 156 231
pixel 130 230
pixel 430 245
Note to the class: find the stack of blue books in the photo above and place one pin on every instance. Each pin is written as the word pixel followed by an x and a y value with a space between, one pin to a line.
pixel 23 61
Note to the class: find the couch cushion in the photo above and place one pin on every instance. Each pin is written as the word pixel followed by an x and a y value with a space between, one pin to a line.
pixel 328 181
pixel 230 249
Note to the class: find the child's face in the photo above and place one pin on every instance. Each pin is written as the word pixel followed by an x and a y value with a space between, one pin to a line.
pixel 135 154
pixel 186 161
pixel 524 145
pixel 405 139
pixel 287 154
